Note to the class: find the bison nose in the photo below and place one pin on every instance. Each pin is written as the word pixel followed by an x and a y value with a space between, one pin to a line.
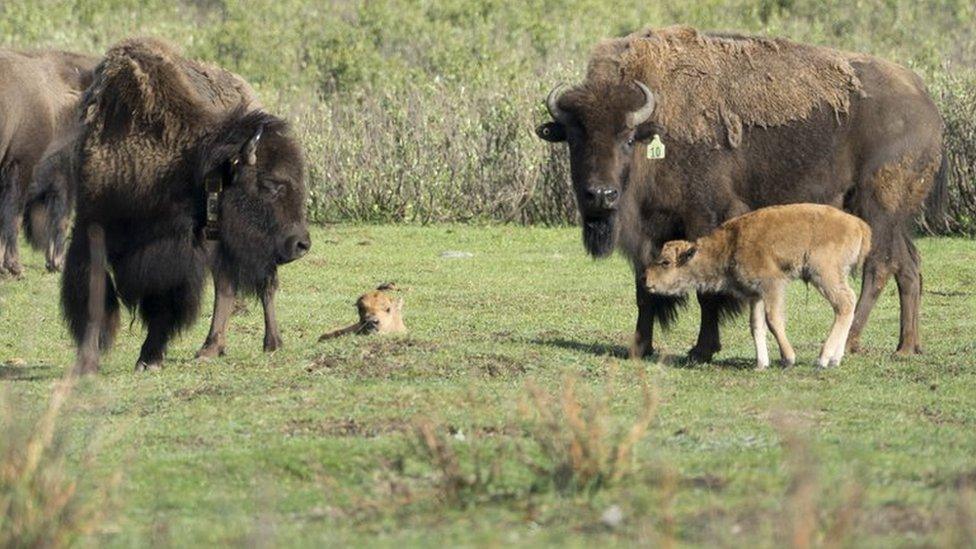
pixel 371 324
pixel 604 198
pixel 296 246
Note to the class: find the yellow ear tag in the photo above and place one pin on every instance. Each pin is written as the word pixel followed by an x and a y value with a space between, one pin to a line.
pixel 655 149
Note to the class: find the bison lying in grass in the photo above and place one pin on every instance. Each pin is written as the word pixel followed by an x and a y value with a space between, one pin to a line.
pixel 755 255
pixel 181 170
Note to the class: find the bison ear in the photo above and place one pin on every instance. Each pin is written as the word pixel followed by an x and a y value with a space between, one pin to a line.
pixel 250 152
pixel 553 132
pixel 687 254
pixel 646 131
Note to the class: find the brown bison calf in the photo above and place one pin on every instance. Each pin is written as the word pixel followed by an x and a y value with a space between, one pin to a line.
pixel 755 255
pixel 379 313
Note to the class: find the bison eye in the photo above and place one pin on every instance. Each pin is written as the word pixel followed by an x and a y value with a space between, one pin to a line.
pixel 665 263
pixel 630 141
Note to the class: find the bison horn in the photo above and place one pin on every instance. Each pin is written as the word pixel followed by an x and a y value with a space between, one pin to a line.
pixel 641 115
pixel 251 148
pixel 552 104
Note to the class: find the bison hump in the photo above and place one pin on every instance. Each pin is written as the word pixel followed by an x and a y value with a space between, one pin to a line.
pixel 144 85
pixel 711 85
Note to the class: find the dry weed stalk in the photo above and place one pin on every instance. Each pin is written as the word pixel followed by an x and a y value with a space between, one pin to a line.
pixel 40 505
pixel 579 451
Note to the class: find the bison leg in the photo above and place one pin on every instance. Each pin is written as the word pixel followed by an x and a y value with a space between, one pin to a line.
pixel 642 344
pixel 10 217
pixel 757 325
pixel 841 297
pixel 908 276
pixel 714 307
pixel 224 296
pixel 272 337
pixel 774 299
pixel 88 350
pixel 872 283
pixel 163 322
pixel 76 285
pixel 59 206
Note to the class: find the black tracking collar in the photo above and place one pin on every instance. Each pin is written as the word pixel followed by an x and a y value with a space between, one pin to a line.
pixel 215 185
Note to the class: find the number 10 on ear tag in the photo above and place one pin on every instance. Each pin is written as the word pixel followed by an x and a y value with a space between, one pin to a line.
pixel 655 149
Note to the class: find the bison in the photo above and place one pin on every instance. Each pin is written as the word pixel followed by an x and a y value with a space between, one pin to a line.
pixel 755 255
pixel 674 131
pixel 177 170
pixel 39 94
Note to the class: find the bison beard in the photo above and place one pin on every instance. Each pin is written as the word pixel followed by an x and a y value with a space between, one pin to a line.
pixel 598 235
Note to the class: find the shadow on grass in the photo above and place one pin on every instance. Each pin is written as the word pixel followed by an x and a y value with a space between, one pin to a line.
pixel 30 373
pixel 595 348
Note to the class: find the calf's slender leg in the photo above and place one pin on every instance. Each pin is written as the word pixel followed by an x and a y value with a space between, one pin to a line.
pixel 775 305
pixel 841 298
pixel 224 296
pixel 757 324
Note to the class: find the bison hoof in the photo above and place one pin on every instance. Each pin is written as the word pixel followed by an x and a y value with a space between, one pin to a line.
pixel 272 344
pixel 150 366
pixel 14 269
pixel 827 364
pixel 210 351
pixel 701 355
pixel 906 351
pixel 787 362
pixel 87 367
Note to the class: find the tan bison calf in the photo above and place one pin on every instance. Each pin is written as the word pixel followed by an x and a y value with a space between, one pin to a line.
pixel 755 255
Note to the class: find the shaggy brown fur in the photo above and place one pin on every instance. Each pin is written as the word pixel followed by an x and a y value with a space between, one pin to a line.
pixel 748 122
pixel 755 255
pixel 710 86
pixel 158 131
pixel 379 313
pixel 39 94
pixel 144 87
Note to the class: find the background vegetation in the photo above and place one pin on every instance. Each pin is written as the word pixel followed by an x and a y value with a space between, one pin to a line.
pixel 424 111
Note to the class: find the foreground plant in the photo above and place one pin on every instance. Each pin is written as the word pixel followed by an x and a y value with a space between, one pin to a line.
pixel 40 505
pixel 580 452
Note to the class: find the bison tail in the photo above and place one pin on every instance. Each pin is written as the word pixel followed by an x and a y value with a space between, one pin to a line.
pixel 89 300
pixel 938 197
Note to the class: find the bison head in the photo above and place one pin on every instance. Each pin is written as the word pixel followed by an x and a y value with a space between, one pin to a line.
pixel 262 204
pixel 602 127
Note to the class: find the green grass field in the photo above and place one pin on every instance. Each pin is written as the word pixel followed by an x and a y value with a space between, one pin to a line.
pixel 317 443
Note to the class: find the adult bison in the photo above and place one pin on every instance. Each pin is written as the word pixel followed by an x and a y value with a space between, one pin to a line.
pixel 673 131
pixel 177 169
pixel 39 94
